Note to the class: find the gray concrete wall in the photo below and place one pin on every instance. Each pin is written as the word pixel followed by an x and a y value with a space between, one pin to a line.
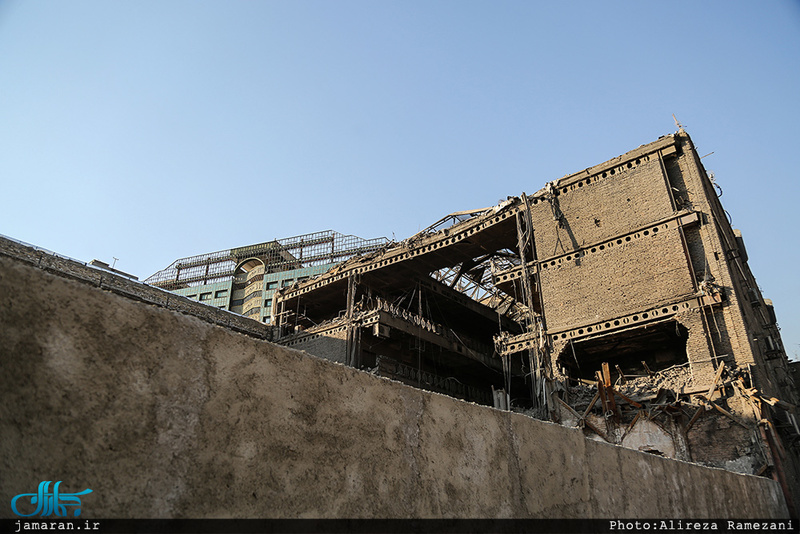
pixel 164 414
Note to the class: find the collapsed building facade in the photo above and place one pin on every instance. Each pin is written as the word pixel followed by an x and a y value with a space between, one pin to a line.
pixel 617 299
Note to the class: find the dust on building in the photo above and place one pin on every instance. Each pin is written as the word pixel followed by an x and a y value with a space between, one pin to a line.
pixel 617 299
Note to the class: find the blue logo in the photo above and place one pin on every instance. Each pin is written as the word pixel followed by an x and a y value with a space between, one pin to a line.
pixel 48 503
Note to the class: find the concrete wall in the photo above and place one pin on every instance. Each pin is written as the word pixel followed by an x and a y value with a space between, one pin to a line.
pixel 163 414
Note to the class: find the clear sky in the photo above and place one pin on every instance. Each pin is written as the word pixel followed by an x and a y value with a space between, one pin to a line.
pixel 154 130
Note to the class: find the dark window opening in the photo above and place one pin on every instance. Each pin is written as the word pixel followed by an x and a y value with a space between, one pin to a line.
pixel 660 346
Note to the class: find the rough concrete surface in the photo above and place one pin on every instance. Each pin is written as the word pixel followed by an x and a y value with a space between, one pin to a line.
pixel 164 415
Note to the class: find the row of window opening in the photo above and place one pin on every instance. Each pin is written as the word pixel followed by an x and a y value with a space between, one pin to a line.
pixel 207 296
pixel 605 174
pixel 626 320
pixel 603 247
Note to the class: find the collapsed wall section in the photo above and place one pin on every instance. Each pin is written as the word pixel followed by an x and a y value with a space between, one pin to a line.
pixel 647 320
pixel 165 415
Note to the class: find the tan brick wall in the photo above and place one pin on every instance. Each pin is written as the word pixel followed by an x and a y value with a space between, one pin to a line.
pixel 620 279
pixel 602 208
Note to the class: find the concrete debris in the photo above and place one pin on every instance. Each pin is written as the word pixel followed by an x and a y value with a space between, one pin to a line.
pixel 640 388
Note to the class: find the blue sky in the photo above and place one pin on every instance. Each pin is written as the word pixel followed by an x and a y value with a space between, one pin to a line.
pixel 153 130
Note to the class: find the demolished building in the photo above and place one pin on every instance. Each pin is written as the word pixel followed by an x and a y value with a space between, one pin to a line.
pixel 146 396
pixel 617 299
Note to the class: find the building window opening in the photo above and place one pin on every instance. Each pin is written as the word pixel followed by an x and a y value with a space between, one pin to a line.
pixel 660 346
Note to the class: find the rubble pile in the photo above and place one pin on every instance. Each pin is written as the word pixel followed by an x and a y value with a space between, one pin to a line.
pixel 676 379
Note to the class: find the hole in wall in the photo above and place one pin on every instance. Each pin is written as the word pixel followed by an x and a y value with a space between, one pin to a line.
pixel 660 346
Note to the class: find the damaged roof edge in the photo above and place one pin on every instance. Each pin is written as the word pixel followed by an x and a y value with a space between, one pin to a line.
pixel 479 215
pixel 406 248
pixel 660 144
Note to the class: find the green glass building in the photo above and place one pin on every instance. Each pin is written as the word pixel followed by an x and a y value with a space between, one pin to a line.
pixel 243 280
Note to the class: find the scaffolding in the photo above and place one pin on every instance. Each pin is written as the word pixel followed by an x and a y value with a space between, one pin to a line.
pixel 308 250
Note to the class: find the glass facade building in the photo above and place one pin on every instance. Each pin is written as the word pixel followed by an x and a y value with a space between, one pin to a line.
pixel 243 280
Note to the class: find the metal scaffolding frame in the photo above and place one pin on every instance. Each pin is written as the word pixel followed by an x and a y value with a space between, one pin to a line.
pixel 307 250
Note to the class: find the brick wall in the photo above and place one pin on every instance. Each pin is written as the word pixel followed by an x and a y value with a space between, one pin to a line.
pixel 597 208
pixel 617 280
